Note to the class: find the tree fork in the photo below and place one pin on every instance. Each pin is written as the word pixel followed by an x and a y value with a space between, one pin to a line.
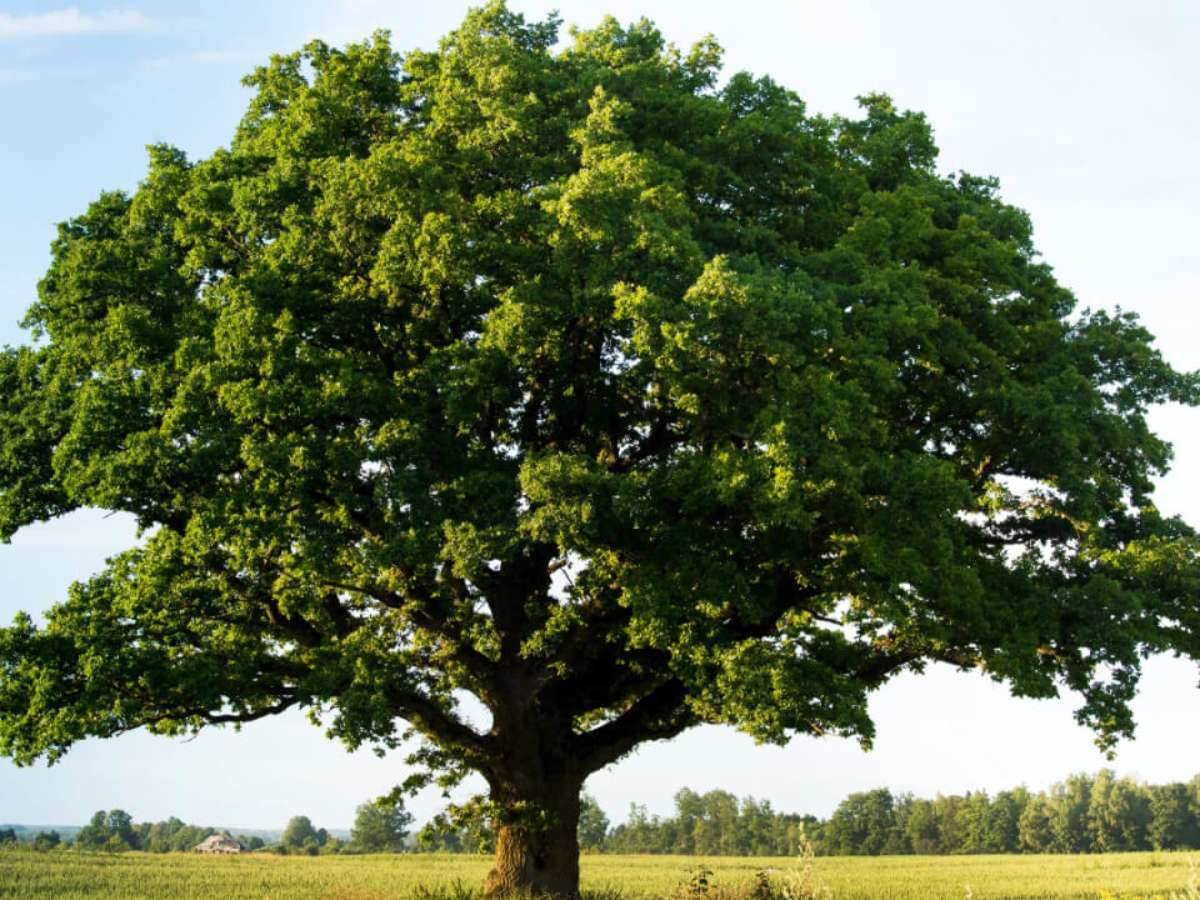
pixel 535 781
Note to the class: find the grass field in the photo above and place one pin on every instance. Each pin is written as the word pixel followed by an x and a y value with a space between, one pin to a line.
pixel 135 875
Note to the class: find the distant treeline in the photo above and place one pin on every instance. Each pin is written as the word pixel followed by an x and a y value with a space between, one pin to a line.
pixel 115 830
pixel 376 829
pixel 1084 814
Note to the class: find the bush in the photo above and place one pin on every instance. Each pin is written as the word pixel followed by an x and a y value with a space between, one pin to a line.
pixel 47 840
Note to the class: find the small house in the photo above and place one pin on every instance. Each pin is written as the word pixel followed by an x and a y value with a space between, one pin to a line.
pixel 219 843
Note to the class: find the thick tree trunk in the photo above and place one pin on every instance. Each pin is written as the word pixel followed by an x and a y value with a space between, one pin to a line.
pixel 537 852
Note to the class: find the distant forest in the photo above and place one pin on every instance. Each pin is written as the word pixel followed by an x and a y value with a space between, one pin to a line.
pixel 1083 814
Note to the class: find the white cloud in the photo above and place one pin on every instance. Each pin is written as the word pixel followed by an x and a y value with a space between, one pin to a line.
pixel 70 21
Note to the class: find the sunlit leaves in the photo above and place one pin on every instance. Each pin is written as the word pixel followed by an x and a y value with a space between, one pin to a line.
pixel 583 373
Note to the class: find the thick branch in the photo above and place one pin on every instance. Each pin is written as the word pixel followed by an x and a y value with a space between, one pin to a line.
pixel 659 714
pixel 427 610
pixel 885 662
pixel 253 715
pixel 440 725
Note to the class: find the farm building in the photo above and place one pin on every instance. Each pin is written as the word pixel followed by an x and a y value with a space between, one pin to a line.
pixel 219 843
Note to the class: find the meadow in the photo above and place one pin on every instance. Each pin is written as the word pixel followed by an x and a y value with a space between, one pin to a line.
pixel 69 874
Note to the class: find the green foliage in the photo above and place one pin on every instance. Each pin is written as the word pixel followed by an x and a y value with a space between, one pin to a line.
pixel 115 831
pixel 299 836
pixel 462 828
pixel 112 831
pixel 712 824
pixel 620 397
pixel 921 828
pixel 1035 830
pixel 47 840
pixel 698 883
pixel 172 835
pixel 593 824
pixel 1118 815
pixel 380 827
pixel 862 823
pixel 1174 818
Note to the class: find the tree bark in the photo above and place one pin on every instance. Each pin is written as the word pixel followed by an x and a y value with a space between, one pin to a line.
pixel 537 849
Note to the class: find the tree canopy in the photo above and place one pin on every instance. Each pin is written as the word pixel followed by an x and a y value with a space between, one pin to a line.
pixel 615 395
pixel 300 834
pixel 380 828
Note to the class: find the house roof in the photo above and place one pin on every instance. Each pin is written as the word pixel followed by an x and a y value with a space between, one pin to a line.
pixel 218 841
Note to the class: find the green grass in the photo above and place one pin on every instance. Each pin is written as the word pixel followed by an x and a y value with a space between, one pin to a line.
pixel 66 874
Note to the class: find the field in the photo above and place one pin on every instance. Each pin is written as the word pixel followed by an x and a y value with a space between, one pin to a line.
pixel 66 874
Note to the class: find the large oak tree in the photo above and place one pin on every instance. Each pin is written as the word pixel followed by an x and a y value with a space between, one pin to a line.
pixel 578 381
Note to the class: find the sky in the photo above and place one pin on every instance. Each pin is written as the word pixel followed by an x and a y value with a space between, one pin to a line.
pixel 1084 110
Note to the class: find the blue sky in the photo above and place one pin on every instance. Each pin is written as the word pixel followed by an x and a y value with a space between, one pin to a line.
pixel 1085 110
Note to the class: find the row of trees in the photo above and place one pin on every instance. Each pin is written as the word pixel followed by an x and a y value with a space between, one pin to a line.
pixel 377 828
pixel 115 830
pixel 711 824
pixel 1083 814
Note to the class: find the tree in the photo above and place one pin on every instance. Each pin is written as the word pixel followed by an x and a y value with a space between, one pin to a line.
pixel 437 836
pixel 299 834
pixel 899 840
pixel 1119 814
pixel 112 831
pixel 951 824
pixel 593 824
pixel 1004 817
pixel 92 835
pixel 862 823
pixel 464 828
pixel 1173 826
pixel 119 825
pixel 689 810
pixel 47 840
pixel 617 397
pixel 187 837
pixel 1035 826
pixel 380 828
pixel 1130 804
pixel 753 832
pixel 640 834
pixel 922 828
pixel 1069 804
pixel 172 834
pixel 973 820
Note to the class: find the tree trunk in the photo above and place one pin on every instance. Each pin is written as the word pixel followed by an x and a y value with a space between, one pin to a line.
pixel 537 851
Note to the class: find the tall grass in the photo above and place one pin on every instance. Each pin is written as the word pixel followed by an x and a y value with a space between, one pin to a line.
pixel 25 874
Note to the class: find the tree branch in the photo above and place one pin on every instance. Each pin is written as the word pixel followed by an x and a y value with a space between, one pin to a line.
pixel 659 714
pixel 440 725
